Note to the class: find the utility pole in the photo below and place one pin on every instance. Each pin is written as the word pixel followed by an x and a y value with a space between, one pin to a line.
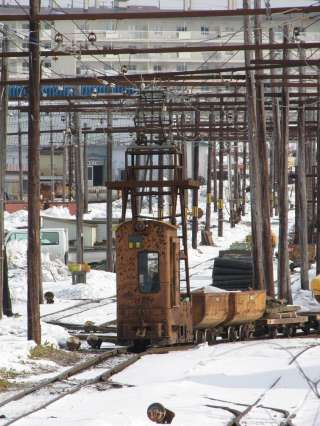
pixel 79 186
pixel 20 154
pixel 51 159
pixel 256 219
pixel 214 171
pixel 109 245
pixel 65 164
pixel 221 174
pixel 34 251
pixel 3 154
pixel 264 184
pixel 85 170
pixel 318 176
pixel 195 194
pixel 274 166
pixel 209 175
pixel 301 188
pixel 283 263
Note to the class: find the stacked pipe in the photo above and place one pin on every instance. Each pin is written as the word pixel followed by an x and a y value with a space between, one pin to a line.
pixel 233 270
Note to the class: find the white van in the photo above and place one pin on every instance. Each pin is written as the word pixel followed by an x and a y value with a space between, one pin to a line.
pixel 53 241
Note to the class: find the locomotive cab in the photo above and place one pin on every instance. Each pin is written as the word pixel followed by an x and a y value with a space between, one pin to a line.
pixel 150 306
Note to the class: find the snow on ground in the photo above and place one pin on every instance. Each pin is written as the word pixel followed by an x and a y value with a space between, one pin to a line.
pixel 183 381
pixel 15 220
pixel 189 382
pixel 14 347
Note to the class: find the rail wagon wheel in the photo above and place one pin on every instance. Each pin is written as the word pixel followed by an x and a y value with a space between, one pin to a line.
pixel 288 331
pixel 306 329
pixel 211 337
pixel 199 336
pixel 273 332
pixel 244 332
pixel 232 334
pixel 241 332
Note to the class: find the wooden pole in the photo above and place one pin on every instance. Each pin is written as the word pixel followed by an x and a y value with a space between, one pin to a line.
pixel 109 245
pixel 65 166
pixel 301 189
pixel 236 189
pixel 274 143
pixel 302 197
pixel 3 155
pixel 85 172
pixel 318 178
pixel 263 174
pixel 79 187
pixel 195 194
pixel 185 162
pixel 34 251
pixel 20 156
pixel 209 176
pixel 244 178
pixel 283 262
pixel 52 195
pixel 214 172
pixel 255 194
pixel 221 174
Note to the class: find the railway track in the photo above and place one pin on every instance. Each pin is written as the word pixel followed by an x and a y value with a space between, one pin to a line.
pixel 96 371
pixel 59 317
pixel 37 397
pixel 258 413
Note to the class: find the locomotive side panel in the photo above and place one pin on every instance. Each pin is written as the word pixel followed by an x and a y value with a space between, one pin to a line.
pixel 148 293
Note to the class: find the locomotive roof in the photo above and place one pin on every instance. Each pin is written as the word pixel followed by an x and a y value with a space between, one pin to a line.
pixel 159 222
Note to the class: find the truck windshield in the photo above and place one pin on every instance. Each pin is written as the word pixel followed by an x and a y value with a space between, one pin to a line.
pixel 49 238
pixel 149 274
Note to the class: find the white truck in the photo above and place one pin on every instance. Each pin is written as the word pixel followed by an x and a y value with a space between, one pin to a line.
pixel 53 241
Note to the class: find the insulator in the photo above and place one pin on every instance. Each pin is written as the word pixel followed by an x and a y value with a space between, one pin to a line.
pixel 92 37
pixel 124 69
pixel 58 38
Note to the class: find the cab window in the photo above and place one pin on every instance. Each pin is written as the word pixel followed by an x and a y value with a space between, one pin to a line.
pixel 149 272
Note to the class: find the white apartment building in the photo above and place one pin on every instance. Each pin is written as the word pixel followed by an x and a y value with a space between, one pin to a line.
pixel 143 33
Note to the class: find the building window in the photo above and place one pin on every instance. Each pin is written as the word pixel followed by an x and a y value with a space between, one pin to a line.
pixel 149 271
pixel 25 26
pixel 204 66
pixel 111 26
pixel 157 68
pixel 204 29
pixel 181 28
pixel 47 45
pixel 182 67
pixel 47 26
pixel 132 67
